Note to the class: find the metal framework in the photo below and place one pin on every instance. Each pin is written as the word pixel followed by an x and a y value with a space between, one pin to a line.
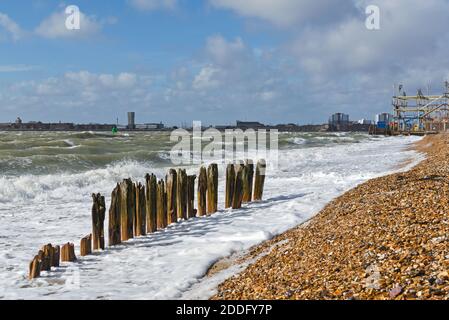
pixel 420 113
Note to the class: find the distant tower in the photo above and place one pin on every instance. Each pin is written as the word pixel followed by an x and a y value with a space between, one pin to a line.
pixel 131 120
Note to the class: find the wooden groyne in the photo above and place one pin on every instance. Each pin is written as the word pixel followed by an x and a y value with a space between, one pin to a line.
pixel 138 209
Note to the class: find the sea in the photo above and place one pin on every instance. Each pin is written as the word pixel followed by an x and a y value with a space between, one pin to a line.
pixel 47 178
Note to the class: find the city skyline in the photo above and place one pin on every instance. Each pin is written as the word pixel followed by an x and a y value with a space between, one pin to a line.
pixel 216 61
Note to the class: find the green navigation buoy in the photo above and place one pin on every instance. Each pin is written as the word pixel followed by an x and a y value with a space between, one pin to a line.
pixel 114 130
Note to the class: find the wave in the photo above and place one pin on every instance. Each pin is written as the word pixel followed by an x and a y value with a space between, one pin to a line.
pixel 91 134
pixel 68 187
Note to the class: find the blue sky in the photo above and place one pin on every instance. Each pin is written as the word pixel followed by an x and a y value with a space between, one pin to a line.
pixel 215 60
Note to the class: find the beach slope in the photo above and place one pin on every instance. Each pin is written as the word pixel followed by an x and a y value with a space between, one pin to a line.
pixel 386 239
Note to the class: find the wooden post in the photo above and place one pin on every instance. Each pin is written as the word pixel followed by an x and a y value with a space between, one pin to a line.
pixel 161 206
pixel 259 180
pixel 126 209
pixel 140 211
pixel 68 253
pixel 46 256
pixel 171 197
pixel 238 187
pixel 202 189
pixel 131 209
pixel 136 212
pixel 56 256
pixel 181 195
pixel 230 182
pixel 52 254
pixel 191 196
pixel 114 217
pixel 212 188
pixel 248 176
pixel 98 215
pixel 86 246
pixel 143 211
pixel 151 202
pixel 35 268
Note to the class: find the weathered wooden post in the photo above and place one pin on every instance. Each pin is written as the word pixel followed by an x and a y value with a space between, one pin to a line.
pixel 238 187
pixel 212 188
pixel 202 190
pixel 46 255
pixel 171 196
pixel 114 217
pixel 248 176
pixel 259 180
pixel 136 218
pixel 140 212
pixel 126 209
pixel 230 182
pixel 132 207
pixel 98 215
pixel 191 196
pixel 181 194
pixel 35 268
pixel 86 246
pixel 68 253
pixel 52 254
pixel 161 205
pixel 143 211
pixel 151 202
pixel 56 256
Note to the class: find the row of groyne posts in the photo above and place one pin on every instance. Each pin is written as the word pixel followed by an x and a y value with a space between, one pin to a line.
pixel 137 210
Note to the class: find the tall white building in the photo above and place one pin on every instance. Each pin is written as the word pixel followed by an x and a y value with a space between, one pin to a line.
pixel 384 117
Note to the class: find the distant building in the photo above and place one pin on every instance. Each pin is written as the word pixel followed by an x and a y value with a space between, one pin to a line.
pixel 149 126
pixel 223 127
pixel 249 125
pixel 339 119
pixel 365 121
pixel 384 118
pixel 339 122
pixel 131 120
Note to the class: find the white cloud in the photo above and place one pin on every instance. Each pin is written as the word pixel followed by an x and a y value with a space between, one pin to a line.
pixel 206 78
pixel 267 95
pixel 97 81
pixel 286 12
pixel 79 94
pixel 54 26
pixel 223 52
pixel 405 38
pixel 150 5
pixel 10 26
pixel 126 80
pixel 15 68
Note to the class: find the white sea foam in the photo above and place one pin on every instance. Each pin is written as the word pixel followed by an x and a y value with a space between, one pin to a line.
pixel 298 140
pixel 38 209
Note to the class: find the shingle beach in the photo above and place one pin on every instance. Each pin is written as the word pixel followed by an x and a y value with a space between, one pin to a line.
pixel 388 238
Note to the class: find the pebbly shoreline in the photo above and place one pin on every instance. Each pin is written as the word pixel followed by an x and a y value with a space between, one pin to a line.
pixel 385 239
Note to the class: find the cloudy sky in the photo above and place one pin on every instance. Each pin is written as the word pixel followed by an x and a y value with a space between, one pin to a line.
pixel 217 61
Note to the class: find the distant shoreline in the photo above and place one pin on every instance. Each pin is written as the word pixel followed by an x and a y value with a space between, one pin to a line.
pixel 283 130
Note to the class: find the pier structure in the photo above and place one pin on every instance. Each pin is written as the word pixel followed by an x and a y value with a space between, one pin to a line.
pixel 420 114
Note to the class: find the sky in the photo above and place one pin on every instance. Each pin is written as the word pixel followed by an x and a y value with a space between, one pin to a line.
pixel 216 61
